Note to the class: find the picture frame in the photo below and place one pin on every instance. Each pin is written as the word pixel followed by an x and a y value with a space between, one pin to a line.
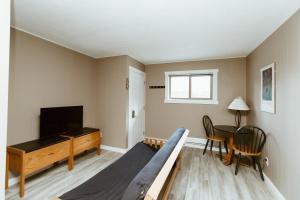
pixel 268 89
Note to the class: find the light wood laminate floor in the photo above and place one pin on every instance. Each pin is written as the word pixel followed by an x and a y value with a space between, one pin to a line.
pixel 206 178
pixel 201 177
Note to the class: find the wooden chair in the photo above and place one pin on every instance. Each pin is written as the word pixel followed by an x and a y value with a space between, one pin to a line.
pixel 249 141
pixel 211 136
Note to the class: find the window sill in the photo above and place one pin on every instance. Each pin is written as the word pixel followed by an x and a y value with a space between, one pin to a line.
pixel 191 101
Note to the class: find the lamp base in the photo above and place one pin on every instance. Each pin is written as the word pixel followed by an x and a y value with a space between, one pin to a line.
pixel 238 118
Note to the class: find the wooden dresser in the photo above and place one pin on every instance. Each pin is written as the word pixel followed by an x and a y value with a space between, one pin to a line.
pixel 29 157
pixel 85 139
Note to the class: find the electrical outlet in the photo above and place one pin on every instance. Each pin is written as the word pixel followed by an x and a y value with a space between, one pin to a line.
pixel 266 161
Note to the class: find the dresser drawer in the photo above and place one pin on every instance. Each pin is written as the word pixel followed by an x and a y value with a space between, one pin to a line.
pixel 86 142
pixel 41 158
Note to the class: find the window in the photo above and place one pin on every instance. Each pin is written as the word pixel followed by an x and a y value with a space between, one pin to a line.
pixel 196 86
pixel 179 89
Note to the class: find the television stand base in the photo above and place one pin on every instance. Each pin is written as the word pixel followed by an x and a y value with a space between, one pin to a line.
pixel 29 157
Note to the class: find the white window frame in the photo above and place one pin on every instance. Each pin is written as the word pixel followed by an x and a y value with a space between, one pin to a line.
pixel 213 100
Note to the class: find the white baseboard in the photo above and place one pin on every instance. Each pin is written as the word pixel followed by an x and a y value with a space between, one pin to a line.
pixel 195 140
pixel 274 188
pixel 200 144
pixel 115 149
pixel 190 142
pixel 13 181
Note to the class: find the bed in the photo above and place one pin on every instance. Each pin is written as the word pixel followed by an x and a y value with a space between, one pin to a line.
pixel 146 171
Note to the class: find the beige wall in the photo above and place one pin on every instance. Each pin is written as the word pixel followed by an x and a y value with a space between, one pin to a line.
pixel 43 74
pixel 162 119
pixel 283 48
pixel 112 94
pixel 112 110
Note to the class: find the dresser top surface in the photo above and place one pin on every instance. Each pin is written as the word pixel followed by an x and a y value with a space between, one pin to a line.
pixel 55 139
pixel 39 143
pixel 81 132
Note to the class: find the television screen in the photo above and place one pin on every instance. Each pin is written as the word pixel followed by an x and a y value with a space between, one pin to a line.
pixel 60 119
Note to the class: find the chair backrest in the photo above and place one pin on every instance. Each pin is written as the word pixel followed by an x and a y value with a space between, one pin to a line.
pixel 208 126
pixel 250 139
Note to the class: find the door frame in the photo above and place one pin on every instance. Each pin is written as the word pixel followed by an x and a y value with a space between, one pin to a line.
pixel 4 79
pixel 133 69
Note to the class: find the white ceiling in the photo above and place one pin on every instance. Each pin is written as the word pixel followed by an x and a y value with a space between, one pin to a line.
pixel 154 31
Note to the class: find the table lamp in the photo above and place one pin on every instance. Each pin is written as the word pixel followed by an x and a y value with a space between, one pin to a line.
pixel 239 105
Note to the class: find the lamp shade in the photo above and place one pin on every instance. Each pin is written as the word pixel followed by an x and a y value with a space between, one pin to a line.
pixel 238 104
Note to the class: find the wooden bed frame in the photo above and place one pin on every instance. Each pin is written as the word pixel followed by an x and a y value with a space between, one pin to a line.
pixel 166 171
pixel 156 189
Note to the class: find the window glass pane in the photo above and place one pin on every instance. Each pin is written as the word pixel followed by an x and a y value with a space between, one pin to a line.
pixel 179 86
pixel 201 87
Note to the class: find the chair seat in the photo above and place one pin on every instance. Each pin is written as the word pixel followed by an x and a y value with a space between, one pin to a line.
pixel 246 152
pixel 217 138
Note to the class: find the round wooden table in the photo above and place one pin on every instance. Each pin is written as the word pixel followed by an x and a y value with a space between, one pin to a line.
pixel 231 130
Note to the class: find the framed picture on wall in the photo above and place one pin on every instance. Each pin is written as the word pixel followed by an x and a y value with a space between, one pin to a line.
pixel 268 88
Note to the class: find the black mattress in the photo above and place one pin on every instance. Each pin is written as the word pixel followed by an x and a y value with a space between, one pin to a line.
pixel 130 177
pixel 110 183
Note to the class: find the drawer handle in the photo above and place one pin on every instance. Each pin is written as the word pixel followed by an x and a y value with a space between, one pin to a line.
pixel 50 154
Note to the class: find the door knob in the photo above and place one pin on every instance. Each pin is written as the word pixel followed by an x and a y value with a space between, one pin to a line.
pixel 133 114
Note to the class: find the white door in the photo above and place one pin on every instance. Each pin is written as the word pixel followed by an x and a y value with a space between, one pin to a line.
pixel 4 75
pixel 136 106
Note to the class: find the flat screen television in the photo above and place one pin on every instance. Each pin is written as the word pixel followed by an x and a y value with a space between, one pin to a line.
pixel 60 119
